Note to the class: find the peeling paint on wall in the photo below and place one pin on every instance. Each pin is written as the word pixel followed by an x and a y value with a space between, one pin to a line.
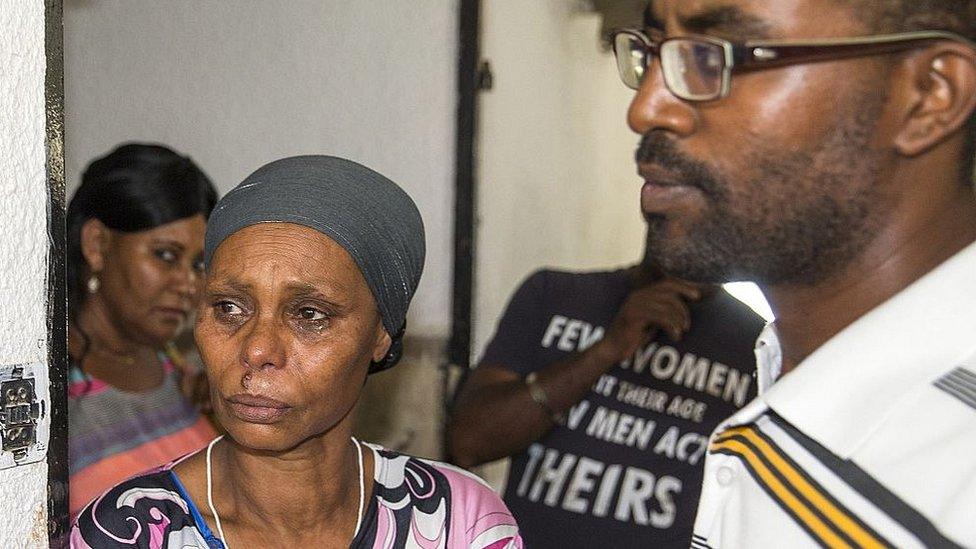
pixel 23 245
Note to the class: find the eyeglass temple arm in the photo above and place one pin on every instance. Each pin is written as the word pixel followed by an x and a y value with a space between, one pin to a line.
pixel 761 55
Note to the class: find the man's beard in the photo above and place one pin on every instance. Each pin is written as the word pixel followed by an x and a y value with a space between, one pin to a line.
pixel 803 217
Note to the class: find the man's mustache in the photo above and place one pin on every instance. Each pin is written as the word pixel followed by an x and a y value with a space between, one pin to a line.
pixel 657 148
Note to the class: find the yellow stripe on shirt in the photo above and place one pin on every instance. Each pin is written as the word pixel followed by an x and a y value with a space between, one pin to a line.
pixel 839 519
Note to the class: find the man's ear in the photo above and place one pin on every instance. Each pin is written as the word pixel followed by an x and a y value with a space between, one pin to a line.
pixel 95 239
pixel 382 344
pixel 938 96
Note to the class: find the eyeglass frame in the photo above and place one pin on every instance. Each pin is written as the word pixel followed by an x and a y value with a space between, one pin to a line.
pixel 762 54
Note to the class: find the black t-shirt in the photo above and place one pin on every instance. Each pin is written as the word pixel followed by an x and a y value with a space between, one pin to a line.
pixel 626 468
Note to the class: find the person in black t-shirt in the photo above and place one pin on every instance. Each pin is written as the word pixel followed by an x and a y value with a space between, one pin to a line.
pixel 603 387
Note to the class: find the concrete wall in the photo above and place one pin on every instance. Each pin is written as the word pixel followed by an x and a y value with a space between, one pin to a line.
pixel 556 179
pixel 24 247
pixel 236 84
pixel 401 408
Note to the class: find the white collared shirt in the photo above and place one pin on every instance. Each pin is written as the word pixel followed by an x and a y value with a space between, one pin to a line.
pixel 870 441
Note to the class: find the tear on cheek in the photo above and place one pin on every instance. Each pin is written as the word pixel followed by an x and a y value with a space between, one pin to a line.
pixel 310 328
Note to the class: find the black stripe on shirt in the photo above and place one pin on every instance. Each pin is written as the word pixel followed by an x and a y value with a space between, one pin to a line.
pixel 961 384
pixel 963 377
pixel 872 490
pixel 965 374
pixel 954 391
pixel 823 492
pixel 772 495
pixel 813 487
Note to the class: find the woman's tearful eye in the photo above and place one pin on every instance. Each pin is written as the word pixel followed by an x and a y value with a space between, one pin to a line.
pixel 311 313
pixel 227 310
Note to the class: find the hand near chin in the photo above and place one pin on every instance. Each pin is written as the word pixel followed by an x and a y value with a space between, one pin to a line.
pixel 660 305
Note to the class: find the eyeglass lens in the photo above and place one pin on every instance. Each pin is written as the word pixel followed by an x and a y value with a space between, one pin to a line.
pixel 693 69
pixel 630 53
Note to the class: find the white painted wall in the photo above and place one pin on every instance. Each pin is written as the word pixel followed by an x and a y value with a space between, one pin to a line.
pixel 24 247
pixel 236 84
pixel 557 184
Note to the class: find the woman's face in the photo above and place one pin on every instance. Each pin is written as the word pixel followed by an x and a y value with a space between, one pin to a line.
pixel 149 280
pixel 287 327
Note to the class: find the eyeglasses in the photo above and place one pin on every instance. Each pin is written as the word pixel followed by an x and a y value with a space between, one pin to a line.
pixel 699 68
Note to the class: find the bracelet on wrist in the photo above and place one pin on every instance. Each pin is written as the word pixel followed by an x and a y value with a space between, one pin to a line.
pixel 540 397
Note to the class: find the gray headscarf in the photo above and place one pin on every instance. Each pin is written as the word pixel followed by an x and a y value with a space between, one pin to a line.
pixel 361 210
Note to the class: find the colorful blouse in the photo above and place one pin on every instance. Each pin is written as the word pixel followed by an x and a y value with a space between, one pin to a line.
pixel 113 435
pixel 415 503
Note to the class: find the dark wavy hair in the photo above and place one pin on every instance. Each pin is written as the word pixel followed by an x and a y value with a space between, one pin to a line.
pixel 136 187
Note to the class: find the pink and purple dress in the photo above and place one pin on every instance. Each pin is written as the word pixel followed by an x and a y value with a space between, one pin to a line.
pixel 415 503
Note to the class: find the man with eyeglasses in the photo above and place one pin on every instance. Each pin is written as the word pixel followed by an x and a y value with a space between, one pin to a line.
pixel 824 149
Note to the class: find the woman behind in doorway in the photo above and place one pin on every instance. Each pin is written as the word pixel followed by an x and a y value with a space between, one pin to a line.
pixel 311 265
pixel 135 268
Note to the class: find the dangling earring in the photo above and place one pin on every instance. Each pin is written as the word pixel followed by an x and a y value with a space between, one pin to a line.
pixel 93 284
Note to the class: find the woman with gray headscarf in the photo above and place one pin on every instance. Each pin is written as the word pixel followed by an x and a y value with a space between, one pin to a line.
pixel 311 265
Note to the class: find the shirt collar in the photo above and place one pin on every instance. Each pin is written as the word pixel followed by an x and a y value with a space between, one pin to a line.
pixel 841 393
pixel 769 358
